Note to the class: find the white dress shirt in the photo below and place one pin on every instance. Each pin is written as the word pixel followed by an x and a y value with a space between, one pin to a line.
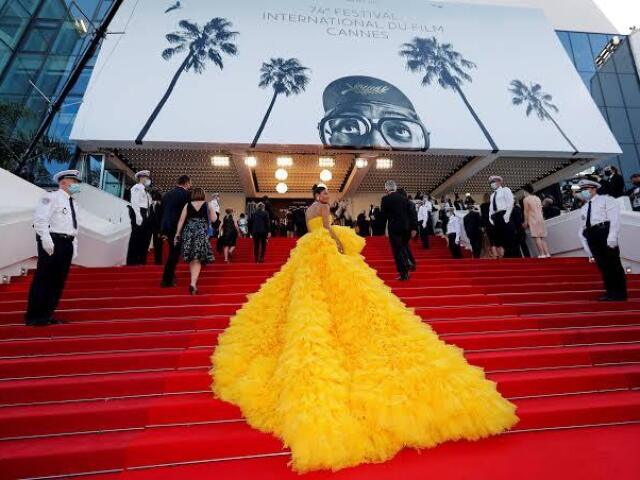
pixel 635 203
pixel 503 200
pixel 603 209
pixel 215 206
pixel 453 226
pixel 139 199
pixel 424 211
pixel 53 215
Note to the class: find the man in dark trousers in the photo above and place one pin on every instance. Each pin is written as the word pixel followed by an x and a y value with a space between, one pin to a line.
pixel 600 227
pixel 395 208
pixel 56 224
pixel 172 204
pixel 473 227
pixel 260 231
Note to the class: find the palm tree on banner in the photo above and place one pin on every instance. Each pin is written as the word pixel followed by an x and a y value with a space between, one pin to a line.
pixel 200 44
pixel 537 101
pixel 440 62
pixel 287 77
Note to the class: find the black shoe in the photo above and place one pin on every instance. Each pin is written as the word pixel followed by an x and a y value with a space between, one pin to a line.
pixel 606 298
pixel 37 323
pixel 168 285
pixel 403 278
pixel 412 267
pixel 193 290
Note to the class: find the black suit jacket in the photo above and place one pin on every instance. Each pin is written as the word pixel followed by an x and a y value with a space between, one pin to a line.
pixel 261 223
pixel 472 223
pixel 396 209
pixel 172 204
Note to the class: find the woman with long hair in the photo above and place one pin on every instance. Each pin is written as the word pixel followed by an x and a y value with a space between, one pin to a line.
pixel 328 359
pixel 196 247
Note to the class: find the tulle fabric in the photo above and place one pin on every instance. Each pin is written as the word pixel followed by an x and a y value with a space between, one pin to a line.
pixel 328 359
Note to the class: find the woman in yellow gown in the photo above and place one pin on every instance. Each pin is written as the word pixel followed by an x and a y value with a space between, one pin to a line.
pixel 328 359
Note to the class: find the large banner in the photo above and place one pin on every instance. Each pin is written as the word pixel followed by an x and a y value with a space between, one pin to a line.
pixel 406 75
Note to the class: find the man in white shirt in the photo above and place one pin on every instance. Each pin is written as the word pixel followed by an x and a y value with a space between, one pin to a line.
pixel 56 224
pixel 454 231
pixel 598 232
pixel 140 226
pixel 634 192
pixel 424 219
pixel 500 208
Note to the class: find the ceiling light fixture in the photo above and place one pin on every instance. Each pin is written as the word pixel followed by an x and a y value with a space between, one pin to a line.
pixel 284 161
pixel 326 162
pixel 282 174
pixel 326 175
pixel 220 161
pixel 282 188
pixel 384 163
pixel 361 162
pixel 251 161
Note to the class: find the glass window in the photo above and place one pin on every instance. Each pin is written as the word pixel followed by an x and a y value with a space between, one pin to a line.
pixel 24 68
pixel 598 42
pixel 623 59
pixel 113 182
pixel 630 89
pixel 582 52
pixel 590 79
pixel 620 125
pixel 41 36
pixel 628 160
pixel 92 169
pixel 634 118
pixel 611 89
pixel 566 43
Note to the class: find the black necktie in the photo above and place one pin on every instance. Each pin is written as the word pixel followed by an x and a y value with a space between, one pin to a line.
pixel 73 214
pixel 495 204
pixel 589 215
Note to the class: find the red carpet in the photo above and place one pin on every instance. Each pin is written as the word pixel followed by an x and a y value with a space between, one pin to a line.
pixel 123 390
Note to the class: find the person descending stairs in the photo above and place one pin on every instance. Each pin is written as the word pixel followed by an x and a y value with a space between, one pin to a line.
pixel 123 391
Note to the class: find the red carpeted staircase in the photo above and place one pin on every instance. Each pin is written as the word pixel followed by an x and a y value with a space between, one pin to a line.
pixel 122 390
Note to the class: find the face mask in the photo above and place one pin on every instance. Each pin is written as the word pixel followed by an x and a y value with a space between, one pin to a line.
pixel 607 172
pixel 147 182
pixel 73 189
pixel 493 185
pixel 585 195
pixel 449 214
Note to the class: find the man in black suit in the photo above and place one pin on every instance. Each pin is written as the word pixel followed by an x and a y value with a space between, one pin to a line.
pixel 473 227
pixel 260 231
pixel 399 213
pixel 172 204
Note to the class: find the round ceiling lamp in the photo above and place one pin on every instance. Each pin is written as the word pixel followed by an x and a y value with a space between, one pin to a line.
pixel 282 188
pixel 282 174
pixel 325 175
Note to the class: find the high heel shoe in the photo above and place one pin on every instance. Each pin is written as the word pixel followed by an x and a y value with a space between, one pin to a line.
pixel 193 290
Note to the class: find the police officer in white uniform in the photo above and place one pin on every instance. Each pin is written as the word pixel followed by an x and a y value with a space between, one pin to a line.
pixel 454 232
pixel 500 208
pixel 56 226
pixel 598 232
pixel 140 230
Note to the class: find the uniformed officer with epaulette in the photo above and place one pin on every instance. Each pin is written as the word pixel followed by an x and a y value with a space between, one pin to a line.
pixel 140 230
pixel 56 226
pixel 598 232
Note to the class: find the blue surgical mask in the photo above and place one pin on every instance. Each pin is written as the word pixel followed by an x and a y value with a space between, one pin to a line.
pixel 585 195
pixel 493 185
pixel 73 189
pixel 147 182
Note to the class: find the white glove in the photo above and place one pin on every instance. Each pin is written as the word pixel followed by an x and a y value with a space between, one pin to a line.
pixel 457 242
pixel 75 249
pixel 138 218
pixel 612 243
pixel 47 245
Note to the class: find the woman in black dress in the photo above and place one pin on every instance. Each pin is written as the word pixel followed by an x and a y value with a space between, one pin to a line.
pixel 228 235
pixel 196 246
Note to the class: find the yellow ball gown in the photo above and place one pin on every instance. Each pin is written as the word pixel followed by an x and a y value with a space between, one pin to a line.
pixel 328 359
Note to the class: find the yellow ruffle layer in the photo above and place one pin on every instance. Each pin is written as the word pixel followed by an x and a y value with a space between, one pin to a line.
pixel 327 358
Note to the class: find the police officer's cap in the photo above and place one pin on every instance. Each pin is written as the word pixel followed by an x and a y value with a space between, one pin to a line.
pixel 493 178
pixel 143 173
pixel 586 183
pixel 74 174
pixel 362 89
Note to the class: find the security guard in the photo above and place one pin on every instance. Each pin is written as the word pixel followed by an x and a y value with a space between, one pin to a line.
pixel 141 230
pixel 56 226
pixel 598 232
pixel 454 232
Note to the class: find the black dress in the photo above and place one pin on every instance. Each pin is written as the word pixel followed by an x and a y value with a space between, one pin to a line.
pixel 195 236
pixel 229 233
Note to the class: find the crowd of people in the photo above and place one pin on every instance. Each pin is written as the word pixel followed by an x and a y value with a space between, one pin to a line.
pixel 185 222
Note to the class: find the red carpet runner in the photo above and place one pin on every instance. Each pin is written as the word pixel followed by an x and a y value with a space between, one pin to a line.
pixel 122 390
